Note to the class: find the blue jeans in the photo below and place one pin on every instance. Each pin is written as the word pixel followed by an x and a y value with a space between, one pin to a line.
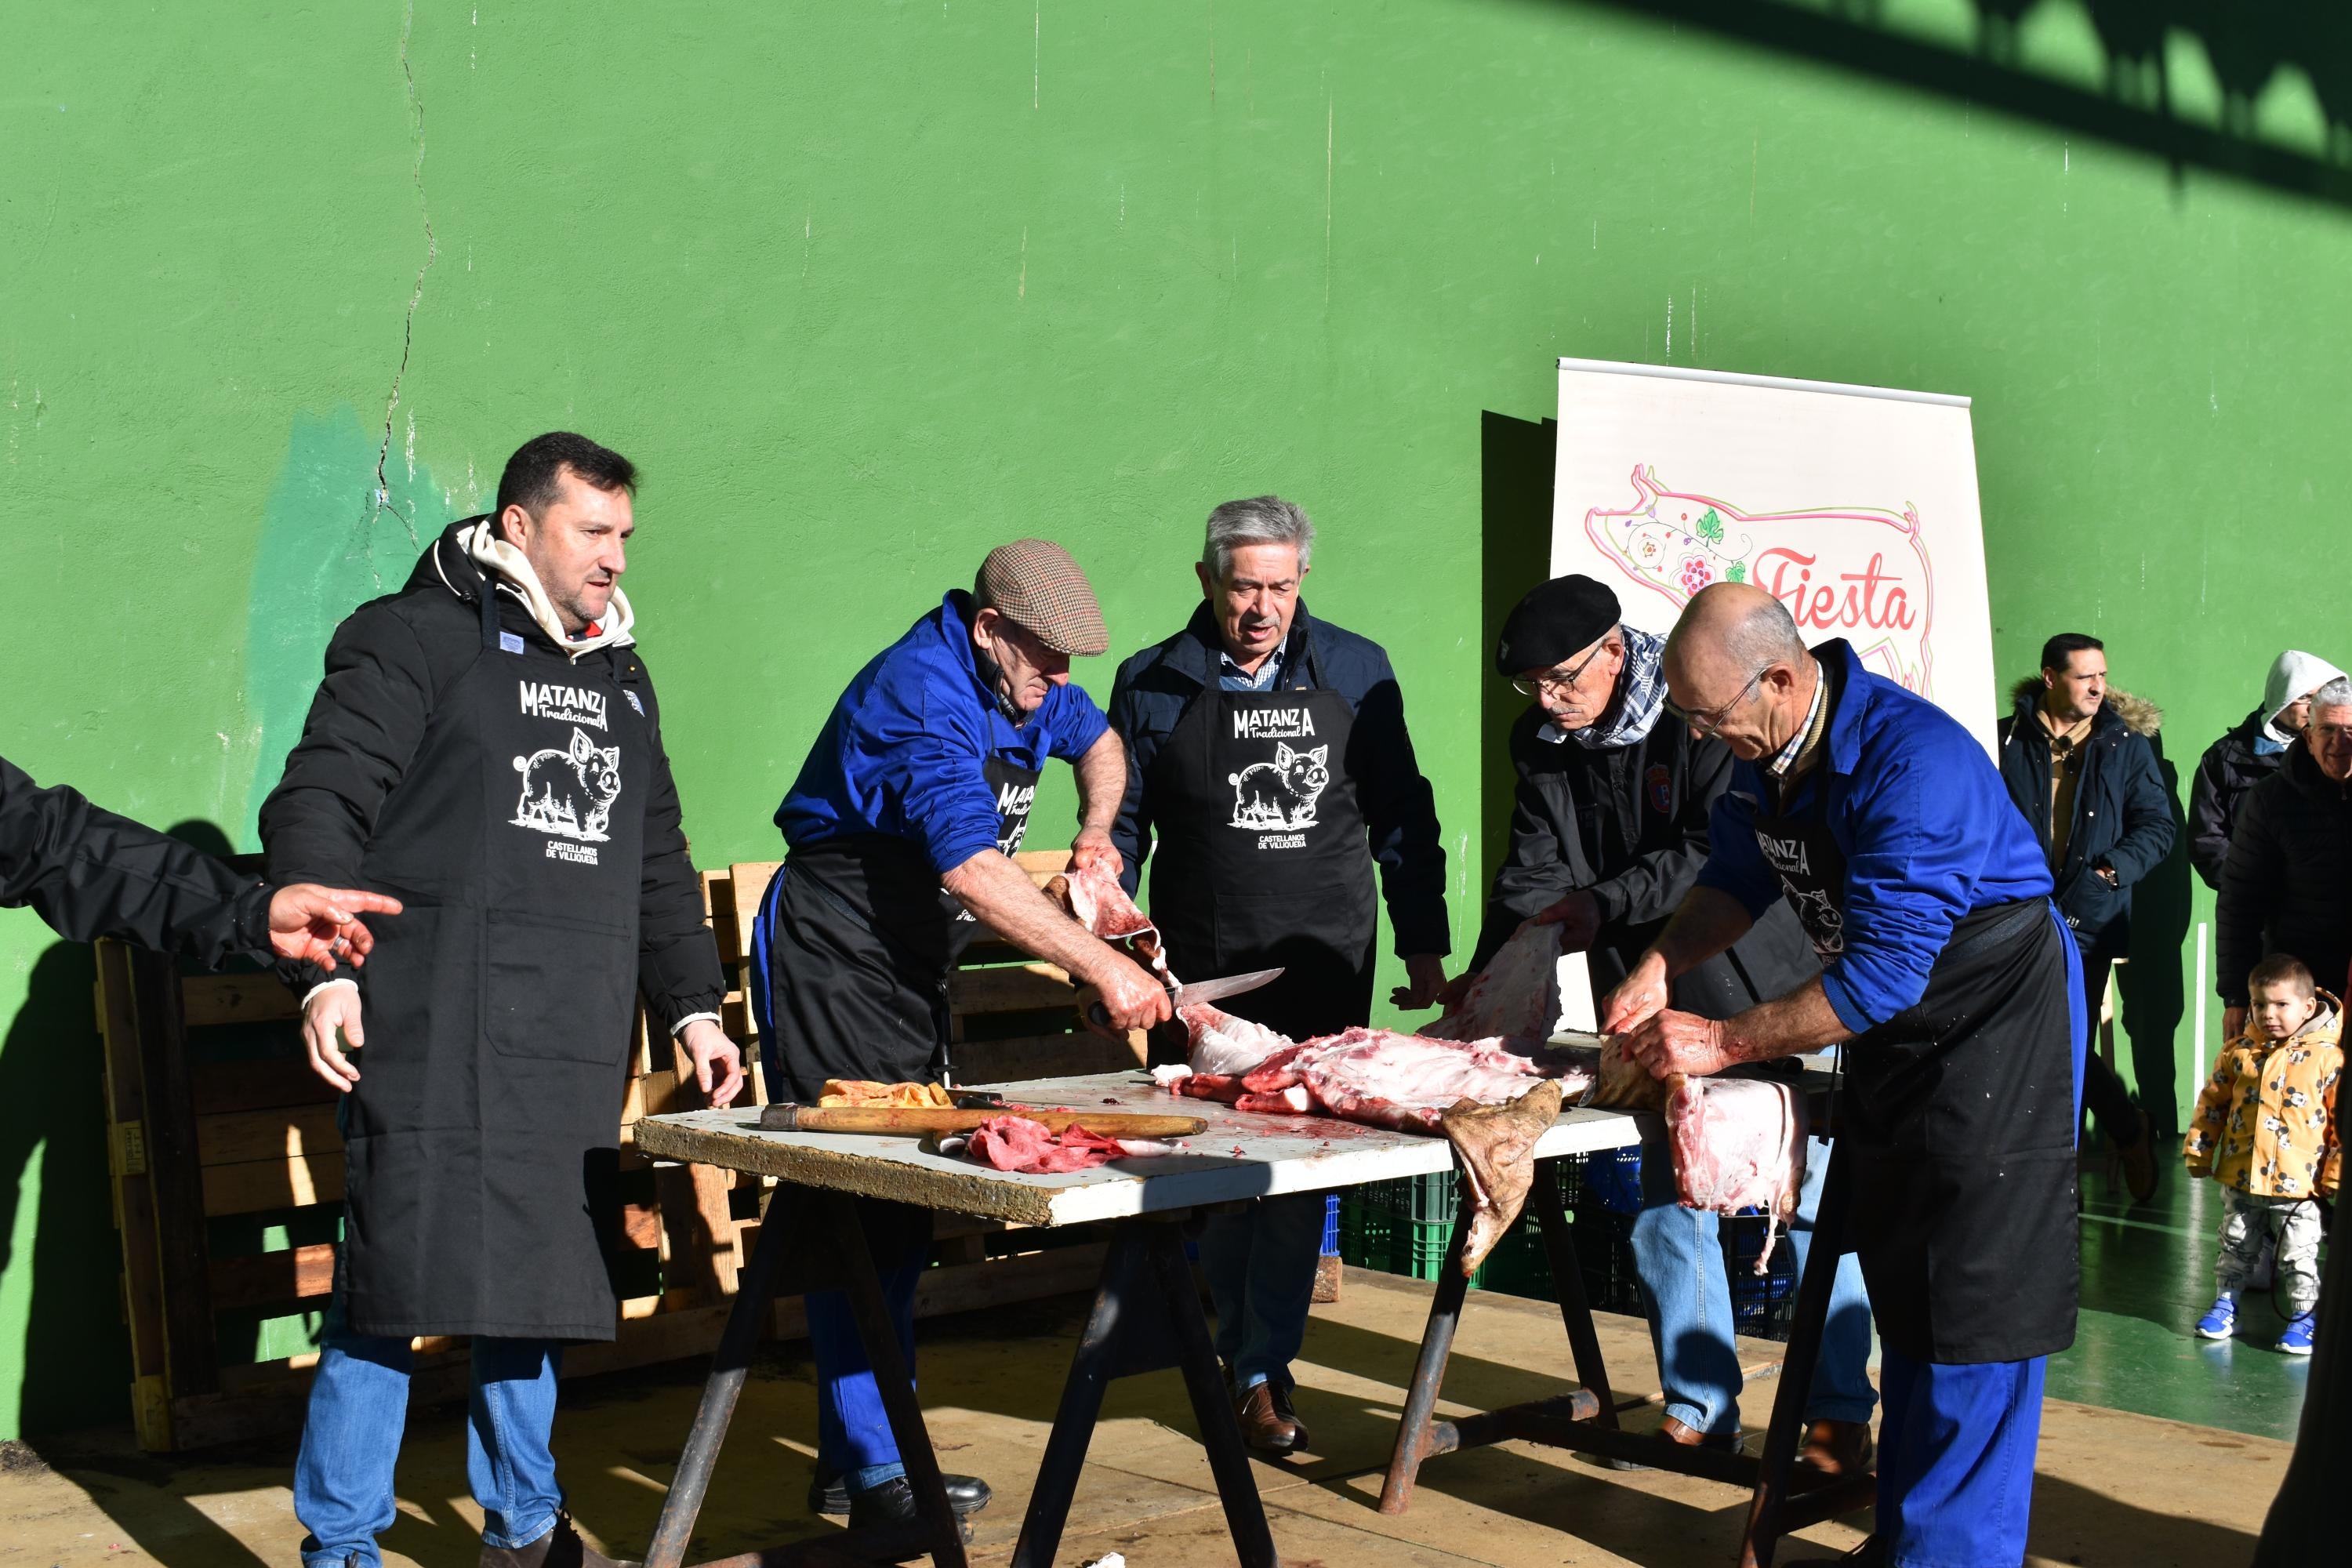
pixel 1956 1461
pixel 359 1404
pixel 853 1430
pixel 1260 1263
pixel 1687 1299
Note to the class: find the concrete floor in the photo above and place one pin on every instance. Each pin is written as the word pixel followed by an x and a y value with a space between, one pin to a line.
pixel 2116 1487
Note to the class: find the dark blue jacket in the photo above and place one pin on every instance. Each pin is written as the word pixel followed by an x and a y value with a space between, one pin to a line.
pixel 1927 833
pixel 2123 816
pixel 1156 686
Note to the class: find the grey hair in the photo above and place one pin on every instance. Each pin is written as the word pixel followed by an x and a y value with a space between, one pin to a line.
pixel 2337 693
pixel 1261 520
pixel 1766 635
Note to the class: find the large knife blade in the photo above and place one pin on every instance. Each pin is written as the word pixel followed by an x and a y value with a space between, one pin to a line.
pixel 1199 991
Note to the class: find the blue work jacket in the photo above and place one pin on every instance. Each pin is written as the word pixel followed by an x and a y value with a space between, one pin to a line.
pixel 1925 824
pixel 902 752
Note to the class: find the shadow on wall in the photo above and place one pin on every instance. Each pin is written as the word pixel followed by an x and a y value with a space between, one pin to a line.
pixel 2177 78
pixel 1514 479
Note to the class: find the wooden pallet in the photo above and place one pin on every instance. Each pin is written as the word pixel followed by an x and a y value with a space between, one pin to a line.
pixel 228 1176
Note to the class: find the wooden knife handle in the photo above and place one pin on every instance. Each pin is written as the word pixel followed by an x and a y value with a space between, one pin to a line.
pixel 905 1122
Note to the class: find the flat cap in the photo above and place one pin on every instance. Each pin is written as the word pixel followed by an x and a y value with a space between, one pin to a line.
pixel 1038 587
pixel 1555 620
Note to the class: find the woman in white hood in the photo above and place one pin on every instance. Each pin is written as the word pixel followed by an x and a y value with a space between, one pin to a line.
pixel 2248 754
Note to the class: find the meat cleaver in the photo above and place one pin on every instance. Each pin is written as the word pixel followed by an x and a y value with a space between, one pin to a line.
pixel 1181 995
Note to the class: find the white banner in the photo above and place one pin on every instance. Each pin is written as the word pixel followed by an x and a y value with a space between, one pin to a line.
pixel 1854 506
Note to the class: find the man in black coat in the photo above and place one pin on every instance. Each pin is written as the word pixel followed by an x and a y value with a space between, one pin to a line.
pixel 90 873
pixel 1609 828
pixel 2076 757
pixel 486 744
pixel 2283 888
pixel 2249 754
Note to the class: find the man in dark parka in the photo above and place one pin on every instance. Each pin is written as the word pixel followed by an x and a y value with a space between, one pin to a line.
pixel 487 746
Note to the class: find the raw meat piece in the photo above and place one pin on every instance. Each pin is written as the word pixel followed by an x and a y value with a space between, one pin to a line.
pixel 1220 1042
pixel 1496 1144
pixel 897 1096
pixel 1624 1083
pixel 1737 1144
pixel 1097 902
pixel 1018 1144
pixel 1387 1080
pixel 1515 997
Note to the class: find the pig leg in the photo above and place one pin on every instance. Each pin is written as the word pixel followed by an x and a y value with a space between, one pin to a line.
pixel 1497 1143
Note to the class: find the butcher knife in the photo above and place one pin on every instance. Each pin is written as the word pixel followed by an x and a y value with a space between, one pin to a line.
pixel 1181 995
pixel 909 1121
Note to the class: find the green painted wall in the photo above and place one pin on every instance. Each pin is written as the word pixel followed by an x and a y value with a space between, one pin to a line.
pixel 868 289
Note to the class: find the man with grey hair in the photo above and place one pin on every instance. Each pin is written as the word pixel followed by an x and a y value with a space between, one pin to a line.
pixel 2290 861
pixel 1269 770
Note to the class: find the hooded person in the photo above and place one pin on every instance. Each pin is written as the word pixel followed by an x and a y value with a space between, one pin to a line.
pixel 2249 753
pixel 487 745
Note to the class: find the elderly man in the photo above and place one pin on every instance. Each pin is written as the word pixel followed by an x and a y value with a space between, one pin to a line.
pixel 2249 754
pixel 487 743
pixel 899 830
pixel 90 873
pixel 2076 757
pixel 2285 885
pixel 1609 828
pixel 1269 757
pixel 1950 975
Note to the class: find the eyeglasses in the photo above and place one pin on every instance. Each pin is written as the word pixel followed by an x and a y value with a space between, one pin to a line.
pixel 1706 723
pixel 1560 679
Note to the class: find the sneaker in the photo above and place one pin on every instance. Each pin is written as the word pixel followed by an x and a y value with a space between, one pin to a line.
pixel 2222 1321
pixel 2296 1341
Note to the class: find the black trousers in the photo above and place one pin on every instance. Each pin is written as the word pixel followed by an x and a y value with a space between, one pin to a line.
pixel 2103 1094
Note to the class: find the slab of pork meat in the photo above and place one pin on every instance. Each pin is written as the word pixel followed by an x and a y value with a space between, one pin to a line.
pixel 1515 997
pixel 1738 1144
pixel 1496 1144
pixel 1097 902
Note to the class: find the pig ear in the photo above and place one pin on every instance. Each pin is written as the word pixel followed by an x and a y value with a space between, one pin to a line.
pixel 582 748
pixel 1282 755
pixel 1319 755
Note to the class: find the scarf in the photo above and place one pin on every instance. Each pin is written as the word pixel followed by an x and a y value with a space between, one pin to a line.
pixel 1641 696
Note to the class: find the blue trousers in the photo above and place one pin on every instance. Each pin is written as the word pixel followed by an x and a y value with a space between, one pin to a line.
pixel 351 1440
pixel 1679 1260
pixel 1260 1263
pixel 853 1432
pixel 1955 1460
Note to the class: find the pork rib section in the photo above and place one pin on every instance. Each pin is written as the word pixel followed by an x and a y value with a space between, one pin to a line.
pixel 1738 1144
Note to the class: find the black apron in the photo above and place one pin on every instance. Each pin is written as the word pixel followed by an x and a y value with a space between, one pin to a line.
pixel 1261 858
pixel 482 1138
pixel 858 937
pixel 1956 1120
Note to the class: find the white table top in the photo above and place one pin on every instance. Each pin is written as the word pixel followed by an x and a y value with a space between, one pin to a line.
pixel 1243 1155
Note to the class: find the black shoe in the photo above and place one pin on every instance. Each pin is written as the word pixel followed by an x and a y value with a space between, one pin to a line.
pixel 966 1495
pixel 1867 1554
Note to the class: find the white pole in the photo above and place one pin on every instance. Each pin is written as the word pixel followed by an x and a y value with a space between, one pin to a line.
pixel 2197 1084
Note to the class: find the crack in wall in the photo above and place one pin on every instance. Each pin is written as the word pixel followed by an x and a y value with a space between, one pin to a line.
pixel 380 498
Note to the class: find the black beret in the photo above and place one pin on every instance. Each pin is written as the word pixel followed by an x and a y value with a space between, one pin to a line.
pixel 1556 619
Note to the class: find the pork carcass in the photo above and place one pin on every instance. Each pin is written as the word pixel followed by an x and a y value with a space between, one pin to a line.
pixel 1515 997
pixel 1738 1144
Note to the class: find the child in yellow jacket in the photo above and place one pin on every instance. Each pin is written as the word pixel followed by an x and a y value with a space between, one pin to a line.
pixel 2266 1128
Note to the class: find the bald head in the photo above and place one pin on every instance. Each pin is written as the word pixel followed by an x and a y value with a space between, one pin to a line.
pixel 1737 666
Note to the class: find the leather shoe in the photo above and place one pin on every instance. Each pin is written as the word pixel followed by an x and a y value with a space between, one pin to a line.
pixel 966 1494
pixel 1688 1436
pixel 1833 1450
pixel 1866 1553
pixel 1269 1425
pixel 559 1548
pixel 891 1506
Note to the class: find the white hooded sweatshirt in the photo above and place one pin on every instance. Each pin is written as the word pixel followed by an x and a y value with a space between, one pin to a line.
pixel 2294 675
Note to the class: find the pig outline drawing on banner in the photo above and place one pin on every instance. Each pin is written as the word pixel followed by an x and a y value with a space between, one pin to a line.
pixel 1282 793
pixel 569 791
pixel 1674 556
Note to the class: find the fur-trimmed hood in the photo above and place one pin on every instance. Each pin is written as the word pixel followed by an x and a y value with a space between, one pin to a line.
pixel 2138 714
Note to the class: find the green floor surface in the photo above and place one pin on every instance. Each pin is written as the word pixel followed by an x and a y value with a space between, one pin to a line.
pixel 2148 1276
